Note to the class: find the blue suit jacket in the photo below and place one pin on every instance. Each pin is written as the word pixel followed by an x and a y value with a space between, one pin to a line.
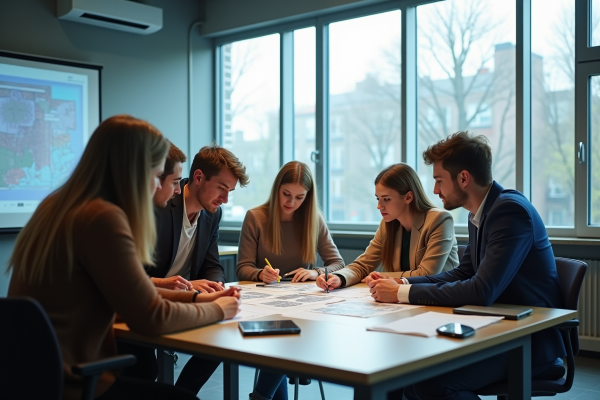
pixel 508 260
pixel 205 257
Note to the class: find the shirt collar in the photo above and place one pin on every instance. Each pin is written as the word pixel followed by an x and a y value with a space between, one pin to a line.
pixel 186 221
pixel 476 219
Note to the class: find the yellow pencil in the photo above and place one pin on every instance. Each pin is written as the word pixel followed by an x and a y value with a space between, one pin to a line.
pixel 270 266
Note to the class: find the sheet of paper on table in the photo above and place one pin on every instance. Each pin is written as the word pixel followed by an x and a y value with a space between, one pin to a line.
pixel 426 324
pixel 246 313
pixel 362 308
pixel 284 301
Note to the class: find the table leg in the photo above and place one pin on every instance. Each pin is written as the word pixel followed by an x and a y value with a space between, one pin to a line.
pixel 231 381
pixel 369 393
pixel 166 368
pixel 519 371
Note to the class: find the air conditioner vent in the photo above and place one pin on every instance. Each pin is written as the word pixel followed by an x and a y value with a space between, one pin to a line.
pixel 113 14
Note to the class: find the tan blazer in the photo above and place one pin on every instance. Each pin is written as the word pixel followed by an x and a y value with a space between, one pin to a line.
pixel 433 248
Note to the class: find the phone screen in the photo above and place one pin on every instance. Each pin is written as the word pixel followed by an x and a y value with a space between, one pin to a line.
pixel 456 330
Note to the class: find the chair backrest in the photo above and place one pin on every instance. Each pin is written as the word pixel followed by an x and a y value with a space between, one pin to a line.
pixel 570 278
pixel 31 363
pixel 461 251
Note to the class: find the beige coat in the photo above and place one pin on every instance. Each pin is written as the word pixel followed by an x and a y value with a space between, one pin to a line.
pixel 433 248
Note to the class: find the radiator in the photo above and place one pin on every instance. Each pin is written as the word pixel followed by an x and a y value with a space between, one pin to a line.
pixel 589 308
pixel 589 301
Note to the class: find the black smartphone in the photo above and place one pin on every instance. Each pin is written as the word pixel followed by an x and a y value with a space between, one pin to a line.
pixel 288 277
pixel 455 330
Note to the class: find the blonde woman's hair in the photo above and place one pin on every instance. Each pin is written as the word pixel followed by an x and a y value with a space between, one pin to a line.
pixel 115 166
pixel 403 179
pixel 307 215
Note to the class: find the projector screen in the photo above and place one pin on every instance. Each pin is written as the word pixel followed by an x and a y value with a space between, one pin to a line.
pixel 48 110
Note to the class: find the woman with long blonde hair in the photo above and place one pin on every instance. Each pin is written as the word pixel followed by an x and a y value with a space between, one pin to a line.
pixel 414 238
pixel 81 257
pixel 288 230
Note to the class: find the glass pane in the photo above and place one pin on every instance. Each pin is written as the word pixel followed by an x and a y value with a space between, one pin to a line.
pixel 364 112
pixel 250 117
pixel 594 193
pixel 466 81
pixel 553 110
pixel 595 23
pixel 304 95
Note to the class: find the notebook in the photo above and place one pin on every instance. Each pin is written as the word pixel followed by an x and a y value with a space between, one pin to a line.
pixel 506 311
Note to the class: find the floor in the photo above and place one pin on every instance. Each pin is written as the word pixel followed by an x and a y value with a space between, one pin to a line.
pixel 585 387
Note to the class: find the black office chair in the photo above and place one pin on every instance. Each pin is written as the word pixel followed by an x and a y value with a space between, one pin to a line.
pixel 553 380
pixel 461 251
pixel 31 366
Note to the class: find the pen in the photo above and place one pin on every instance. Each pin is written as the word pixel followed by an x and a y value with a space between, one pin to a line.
pixel 326 279
pixel 273 269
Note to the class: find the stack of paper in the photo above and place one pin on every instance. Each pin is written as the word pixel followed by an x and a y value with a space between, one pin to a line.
pixel 426 324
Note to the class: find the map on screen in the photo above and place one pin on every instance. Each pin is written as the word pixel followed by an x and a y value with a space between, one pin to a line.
pixel 44 126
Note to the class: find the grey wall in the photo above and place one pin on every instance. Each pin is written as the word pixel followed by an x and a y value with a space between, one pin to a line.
pixel 145 76
pixel 229 16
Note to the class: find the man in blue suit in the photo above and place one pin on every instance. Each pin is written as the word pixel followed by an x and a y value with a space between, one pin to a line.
pixel 509 260
pixel 187 215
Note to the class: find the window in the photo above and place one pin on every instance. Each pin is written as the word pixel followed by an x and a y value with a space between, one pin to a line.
pixel 304 95
pixel 553 111
pixel 466 63
pixel 364 107
pixel 339 81
pixel 250 117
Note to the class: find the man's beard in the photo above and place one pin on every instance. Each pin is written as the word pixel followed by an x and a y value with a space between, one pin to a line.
pixel 457 198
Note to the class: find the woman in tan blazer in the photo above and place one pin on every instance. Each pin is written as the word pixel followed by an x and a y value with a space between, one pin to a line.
pixel 413 238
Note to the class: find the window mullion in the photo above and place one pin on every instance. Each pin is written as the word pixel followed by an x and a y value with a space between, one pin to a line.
pixel 321 113
pixel 408 102
pixel 286 104
pixel 523 98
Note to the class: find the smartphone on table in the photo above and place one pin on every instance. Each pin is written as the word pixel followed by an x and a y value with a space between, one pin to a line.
pixel 455 330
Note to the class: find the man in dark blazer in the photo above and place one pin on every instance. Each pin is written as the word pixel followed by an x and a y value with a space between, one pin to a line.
pixel 509 260
pixel 186 252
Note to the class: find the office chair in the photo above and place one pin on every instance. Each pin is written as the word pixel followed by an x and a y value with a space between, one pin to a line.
pixel 296 385
pixel 461 251
pixel 31 366
pixel 553 380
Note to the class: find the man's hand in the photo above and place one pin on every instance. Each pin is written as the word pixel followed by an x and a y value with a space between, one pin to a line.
pixel 230 306
pixel 174 283
pixel 373 276
pixel 206 286
pixel 207 297
pixel 301 275
pixel 333 282
pixel 268 275
pixel 384 290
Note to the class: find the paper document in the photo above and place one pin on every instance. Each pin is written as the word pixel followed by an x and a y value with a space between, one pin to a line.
pixel 361 309
pixel 291 300
pixel 350 293
pixel 426 324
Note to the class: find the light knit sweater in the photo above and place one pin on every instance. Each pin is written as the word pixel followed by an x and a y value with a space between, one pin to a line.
pixel 254 247
pixel 107 278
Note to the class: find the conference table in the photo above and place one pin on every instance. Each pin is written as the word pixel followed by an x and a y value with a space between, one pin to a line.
pixel 340 350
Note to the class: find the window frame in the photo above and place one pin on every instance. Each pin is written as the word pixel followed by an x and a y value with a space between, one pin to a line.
pixel 587 59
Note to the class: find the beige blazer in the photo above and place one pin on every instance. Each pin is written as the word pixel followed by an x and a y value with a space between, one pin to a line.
pixel 433 248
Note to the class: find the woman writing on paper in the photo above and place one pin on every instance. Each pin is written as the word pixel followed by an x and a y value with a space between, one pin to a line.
pixel 414 238
pixel 82 254
pixel 288 231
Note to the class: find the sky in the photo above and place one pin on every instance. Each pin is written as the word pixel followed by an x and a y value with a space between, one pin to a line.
pixel 363 45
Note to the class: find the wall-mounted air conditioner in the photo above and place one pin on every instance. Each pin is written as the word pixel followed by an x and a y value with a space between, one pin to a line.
pixel 114 14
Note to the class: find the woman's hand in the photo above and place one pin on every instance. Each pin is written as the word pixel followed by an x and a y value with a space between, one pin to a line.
pixel 206 297
pixel 230 306
pixel 206 286
pixel 373 276
pixel 333 282
pixel 268 275
pixel 174 283
pixel 301 275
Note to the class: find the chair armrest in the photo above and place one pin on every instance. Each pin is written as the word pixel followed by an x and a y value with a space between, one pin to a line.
pixel 573 323
pixel 98 367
